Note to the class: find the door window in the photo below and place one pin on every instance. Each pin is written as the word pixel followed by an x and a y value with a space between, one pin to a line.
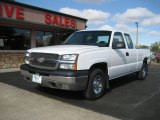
pixel 118 37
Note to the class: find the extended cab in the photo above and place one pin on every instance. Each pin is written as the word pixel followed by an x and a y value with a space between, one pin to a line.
pixel 86 61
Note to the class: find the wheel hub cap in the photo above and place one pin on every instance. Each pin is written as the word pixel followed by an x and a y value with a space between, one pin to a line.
pixel 97 84
pixel 144 73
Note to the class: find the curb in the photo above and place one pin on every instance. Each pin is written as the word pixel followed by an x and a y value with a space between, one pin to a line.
pixel 9 70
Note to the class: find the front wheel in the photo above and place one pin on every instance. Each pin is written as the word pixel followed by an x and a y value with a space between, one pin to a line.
pixel 142 74
pixel 96 84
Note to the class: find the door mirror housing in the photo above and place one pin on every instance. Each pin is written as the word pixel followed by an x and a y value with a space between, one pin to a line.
pixel 119 45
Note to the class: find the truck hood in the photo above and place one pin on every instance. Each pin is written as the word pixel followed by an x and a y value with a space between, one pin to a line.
pixel 65 49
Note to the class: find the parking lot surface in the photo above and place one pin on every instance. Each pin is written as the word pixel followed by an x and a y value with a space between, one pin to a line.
pixel 129 99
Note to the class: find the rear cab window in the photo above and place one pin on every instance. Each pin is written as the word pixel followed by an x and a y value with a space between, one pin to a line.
pixel 128 40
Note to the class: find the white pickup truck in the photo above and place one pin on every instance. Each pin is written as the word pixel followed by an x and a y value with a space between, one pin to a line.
pixel 86 61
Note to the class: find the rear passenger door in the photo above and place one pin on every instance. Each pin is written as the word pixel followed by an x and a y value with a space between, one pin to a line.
pixel 118 57
pixel 132 58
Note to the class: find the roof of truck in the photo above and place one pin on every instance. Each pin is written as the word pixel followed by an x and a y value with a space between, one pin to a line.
pixel 112 30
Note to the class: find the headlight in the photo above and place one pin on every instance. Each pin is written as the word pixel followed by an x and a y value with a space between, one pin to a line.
pixel 27 58
pixel 68 62
pixel 67 66
pixel 27 54
pixel 70 57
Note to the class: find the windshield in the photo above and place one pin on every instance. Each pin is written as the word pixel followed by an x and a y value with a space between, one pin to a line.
pixel 97 38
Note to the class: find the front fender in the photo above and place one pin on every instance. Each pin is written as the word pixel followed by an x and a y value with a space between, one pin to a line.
pixel 85 61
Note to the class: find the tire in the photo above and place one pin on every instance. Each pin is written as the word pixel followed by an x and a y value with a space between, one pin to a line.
pixel 96 85
pixel 142 74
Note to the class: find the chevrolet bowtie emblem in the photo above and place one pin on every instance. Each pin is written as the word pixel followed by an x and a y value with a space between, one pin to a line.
pixel 41 60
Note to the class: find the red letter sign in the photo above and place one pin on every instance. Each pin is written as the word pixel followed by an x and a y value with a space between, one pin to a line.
pixel 9 10
pixel 72 24
pixel 47 18
pixel 19 13
pixel 55 20
pixel 66 21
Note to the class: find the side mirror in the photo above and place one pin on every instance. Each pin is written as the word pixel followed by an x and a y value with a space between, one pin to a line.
pixel 119 45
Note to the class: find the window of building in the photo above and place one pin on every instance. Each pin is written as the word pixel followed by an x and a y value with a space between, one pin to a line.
pixel 14 38
pixel 44 38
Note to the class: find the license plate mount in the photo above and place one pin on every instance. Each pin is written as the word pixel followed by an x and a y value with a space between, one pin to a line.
pixel 37 78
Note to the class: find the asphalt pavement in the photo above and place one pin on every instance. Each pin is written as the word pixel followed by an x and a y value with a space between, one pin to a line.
pixel 129 99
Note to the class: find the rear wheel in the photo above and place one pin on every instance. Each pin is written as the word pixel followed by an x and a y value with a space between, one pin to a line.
pixel 96 84
pixel 142 74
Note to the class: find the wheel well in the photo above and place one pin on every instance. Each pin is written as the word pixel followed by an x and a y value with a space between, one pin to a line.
pixel 102 66
pixel 145 60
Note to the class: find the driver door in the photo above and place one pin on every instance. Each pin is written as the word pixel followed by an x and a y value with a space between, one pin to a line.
pixel 118 57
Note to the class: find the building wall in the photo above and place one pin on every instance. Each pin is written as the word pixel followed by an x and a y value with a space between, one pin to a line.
pixel 42 17
pixel 13 14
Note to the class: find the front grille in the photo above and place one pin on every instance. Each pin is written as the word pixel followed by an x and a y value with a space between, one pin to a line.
pixel 44 61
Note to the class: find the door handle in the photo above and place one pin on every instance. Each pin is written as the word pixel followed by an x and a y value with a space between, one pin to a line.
pixel 127 54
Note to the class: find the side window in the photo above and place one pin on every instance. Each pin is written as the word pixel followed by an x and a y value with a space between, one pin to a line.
pixel 129 41
pixel 118 37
